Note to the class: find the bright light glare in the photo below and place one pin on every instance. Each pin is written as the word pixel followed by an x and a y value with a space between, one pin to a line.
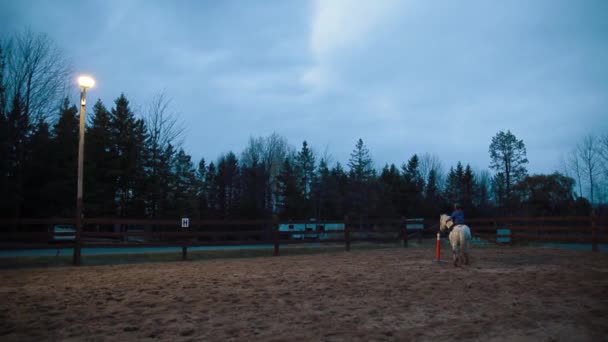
pixel 86 81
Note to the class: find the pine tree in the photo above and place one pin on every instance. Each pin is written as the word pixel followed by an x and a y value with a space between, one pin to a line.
pixel 211 191
pixel 361 174
pixel 228 185
pixel 432 195
pixel 320 190
pixel 467 189
pixel 201 175
pixel 100 165
pixel 18 129
pixel 305 168
pixel 360 163
pixel 413 184
pixel 338 193
pixel 4 142
pixel 391 196
pixel 508 157
pixel 128 136
pixel 184 194
pixel 39 199
pixel 63 166
pixel 289 193
pixel 453 187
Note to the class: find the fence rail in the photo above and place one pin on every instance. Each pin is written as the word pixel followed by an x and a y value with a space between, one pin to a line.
pixel 114 232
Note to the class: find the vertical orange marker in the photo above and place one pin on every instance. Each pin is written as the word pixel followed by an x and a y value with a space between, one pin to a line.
pixel 438 248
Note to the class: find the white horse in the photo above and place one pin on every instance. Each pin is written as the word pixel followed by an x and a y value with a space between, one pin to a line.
pixel 460 238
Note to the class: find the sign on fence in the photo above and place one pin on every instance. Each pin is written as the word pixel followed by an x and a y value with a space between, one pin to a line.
pixel 185 222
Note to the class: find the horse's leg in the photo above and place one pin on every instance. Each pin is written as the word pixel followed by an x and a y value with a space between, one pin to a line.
pixel 454 244
pixel 464 246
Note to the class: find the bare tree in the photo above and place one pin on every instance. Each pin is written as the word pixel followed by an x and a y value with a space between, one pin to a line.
pixel 38 71
pixel 587 153
pixel 573 168
pixel 253 153
pixel 431 162
pixel 603 152
pixel 164 126
pixel 484 187
pixel 270 152
pixel 165 136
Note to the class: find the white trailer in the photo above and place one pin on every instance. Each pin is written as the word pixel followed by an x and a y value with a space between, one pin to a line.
pixel 322 230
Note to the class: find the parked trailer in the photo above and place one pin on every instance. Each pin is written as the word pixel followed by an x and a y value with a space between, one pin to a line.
pixel 323 230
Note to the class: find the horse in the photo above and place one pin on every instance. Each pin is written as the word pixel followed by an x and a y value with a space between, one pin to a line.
pixel 460 238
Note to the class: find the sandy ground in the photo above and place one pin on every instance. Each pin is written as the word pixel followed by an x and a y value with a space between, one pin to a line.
pixel 506 294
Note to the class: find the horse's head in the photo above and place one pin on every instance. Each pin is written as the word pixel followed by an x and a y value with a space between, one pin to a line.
pixel 445 222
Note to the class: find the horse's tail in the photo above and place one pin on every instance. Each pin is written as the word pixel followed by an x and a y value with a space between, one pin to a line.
pixel 465 238
pixel 467 232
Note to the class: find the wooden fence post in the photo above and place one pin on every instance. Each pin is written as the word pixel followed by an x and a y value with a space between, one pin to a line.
pixel 346 234
pixel 78 237
pixel 275 235
pixel 594 236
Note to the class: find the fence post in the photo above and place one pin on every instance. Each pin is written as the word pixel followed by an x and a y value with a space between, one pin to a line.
pixel 275 235
pixel 346 234
pixel 78 236
pixel 184 252
pixel 594 236
pixel 404 231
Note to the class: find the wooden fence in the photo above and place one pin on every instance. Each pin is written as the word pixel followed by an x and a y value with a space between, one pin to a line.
pixel 105 232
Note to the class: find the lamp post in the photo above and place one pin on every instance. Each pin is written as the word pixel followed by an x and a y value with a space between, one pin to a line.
pixel 85 82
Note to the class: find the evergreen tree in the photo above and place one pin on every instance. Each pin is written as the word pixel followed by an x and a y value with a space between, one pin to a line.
pixel 4 142
pixel 361 174
pixel 453 187
pixel 63 166
pixel 228 185
pixel 201 175
pixel 290 196
pixel 320 190
pixel 305 170
pixel 100 165
pixel 467 189
pixel 360 163
pixel 39 200
pixel 211 191
pixel 3 103
pixel 128 137
pixel 432 195
pixel 482 193
pixel 305 166
pixel 413 184
pixel 338 187
pixel 162 204
pixel 391 196
pixel 18 131
pixel 184 188
pixel 254 197
pixel 508 159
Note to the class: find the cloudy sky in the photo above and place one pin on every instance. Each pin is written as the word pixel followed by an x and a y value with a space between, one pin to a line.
pixel 406 76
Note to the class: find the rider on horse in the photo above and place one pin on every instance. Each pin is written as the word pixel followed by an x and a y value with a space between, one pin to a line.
pixel 457 216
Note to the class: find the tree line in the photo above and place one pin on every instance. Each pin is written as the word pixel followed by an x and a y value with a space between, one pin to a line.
pixel 135 166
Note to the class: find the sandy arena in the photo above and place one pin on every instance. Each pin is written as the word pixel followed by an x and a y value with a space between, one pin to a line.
pixel 506 294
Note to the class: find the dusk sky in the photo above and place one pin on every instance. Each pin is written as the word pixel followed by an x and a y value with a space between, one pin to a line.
pixel 410 76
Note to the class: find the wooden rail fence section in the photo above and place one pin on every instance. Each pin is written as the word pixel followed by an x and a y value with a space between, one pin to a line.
pixel 110 232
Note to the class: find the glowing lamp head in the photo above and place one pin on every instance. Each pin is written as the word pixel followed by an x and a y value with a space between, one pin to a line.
pixel 86 81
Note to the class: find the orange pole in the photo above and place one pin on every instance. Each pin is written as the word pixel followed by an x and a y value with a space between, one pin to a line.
pixel 438 248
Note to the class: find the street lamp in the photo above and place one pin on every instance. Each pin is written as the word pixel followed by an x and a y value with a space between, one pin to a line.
pixel 84 82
